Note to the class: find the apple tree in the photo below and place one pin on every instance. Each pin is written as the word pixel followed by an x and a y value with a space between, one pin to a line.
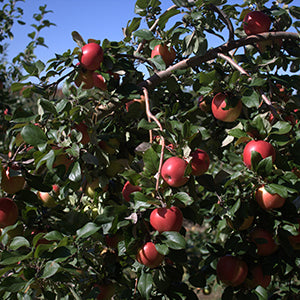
pixel 155 167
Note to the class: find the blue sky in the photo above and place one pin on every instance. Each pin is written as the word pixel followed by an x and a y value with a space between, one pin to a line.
pixel 98 19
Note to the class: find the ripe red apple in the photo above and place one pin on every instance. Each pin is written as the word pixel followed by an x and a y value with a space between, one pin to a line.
pixel 168 55
pixel 11 184
pixel 267 200
pixel 256 22
pixel 106 291
pixel 264 148
pixel 84 78
pixel 257 277
pixel 166 219
pixel 149 256
pixel 264 241
pixel 199 162
pixel 218 106
pixel 47 198
pixel 8 212
pixel 172 171
pixel 129 188
pixel 92 56
pixel 99 81
pixel 83 128
pixel 231 270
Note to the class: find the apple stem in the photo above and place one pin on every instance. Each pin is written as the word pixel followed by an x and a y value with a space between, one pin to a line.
pixel 243 72
pixel 162 139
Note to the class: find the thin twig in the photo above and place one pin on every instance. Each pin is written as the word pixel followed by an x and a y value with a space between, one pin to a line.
pixel 243 72
pixel 162 139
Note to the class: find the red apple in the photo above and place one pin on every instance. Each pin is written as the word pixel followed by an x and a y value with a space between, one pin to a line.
pixel 106 291
pixel 173 170
pixel 264 148
pixel 129 188
pixel 264 241
pixel 83 128
pixel 92 56
pixel 168 55
pixel 231 270
pixel 149 256
pixel 267 200
pixel 8 212
pixel 256 22
pixel 47 199
pixel 99 81
pixel 11 184
pixel 257 277
pixel 218 106
pixel 203 104
pixel 84 78
pixel 199 162
pixel 166 219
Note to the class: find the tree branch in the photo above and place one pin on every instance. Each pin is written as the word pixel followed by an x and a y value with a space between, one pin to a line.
pixel 211 54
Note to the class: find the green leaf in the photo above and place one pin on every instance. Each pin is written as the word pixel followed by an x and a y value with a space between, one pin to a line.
pixel 75 173
pixel 163 19
pixel 78 39
pixel 144 124
pixel 53 236
pixel 48 106
pixel 132 26
pixel 87 230
pixel 144 34
pixel 250 98
pixel 145 284
pixel 274 188
pixel 295 11
pixel 12 284
pixel 33 135
pixel 265 166
pixel 257 81
pixel 281 128
pixel 18 242
pixel 174 240
pixel 162 249
pixel 151 161
pixel 50 269
pixel 184 198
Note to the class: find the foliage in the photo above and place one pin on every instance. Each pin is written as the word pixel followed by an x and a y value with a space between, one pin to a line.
pixel 65 250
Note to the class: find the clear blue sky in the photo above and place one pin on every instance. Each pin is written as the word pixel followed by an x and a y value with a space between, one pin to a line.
pixel 98 19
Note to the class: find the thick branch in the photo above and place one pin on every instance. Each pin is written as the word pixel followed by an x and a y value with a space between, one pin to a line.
pixel 194 61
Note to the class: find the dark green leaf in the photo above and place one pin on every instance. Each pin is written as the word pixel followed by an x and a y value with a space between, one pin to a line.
pixel 274 188
pixel 144 34
pixel 50 269
pixel 18 242
pixel 281 127
pixel 151 161
pixel 33 135
pixel 87 230
pixel 145 284
pixel 48 106
pixel 174 240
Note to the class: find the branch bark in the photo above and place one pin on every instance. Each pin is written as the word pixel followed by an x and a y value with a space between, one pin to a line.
pixel 194 61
